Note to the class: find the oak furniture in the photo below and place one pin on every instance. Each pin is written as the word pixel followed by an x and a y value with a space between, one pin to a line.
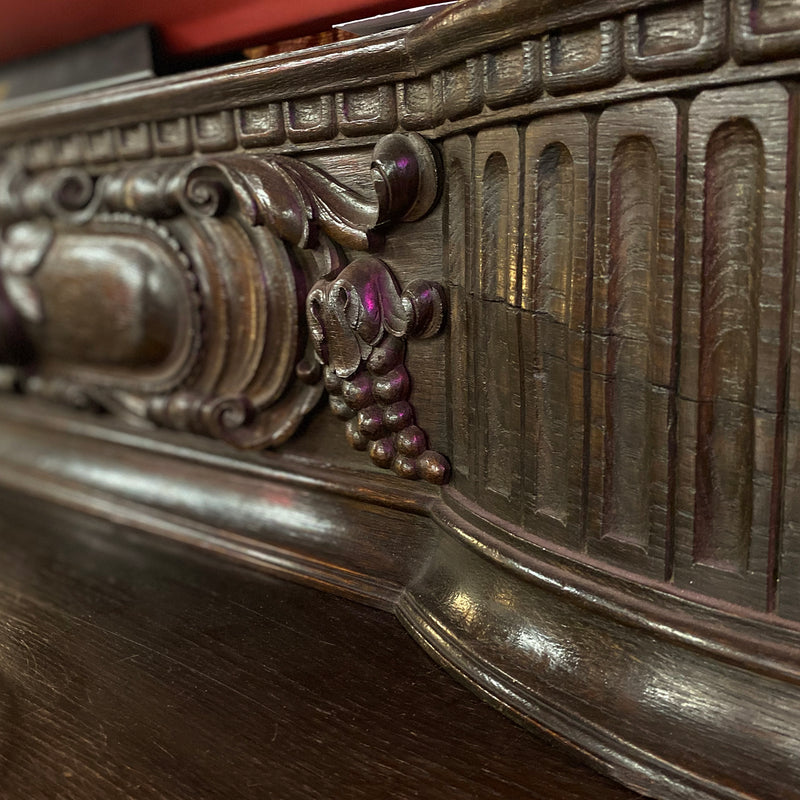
pixel 488 323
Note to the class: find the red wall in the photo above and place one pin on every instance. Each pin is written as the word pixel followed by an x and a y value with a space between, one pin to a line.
pixel 186 26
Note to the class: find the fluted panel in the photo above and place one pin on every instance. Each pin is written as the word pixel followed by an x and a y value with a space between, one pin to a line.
pixel 554 320
pixel 632 325
pixel 627 453
pixel 623 388
pixel 731 274
pixel 498 380
pixel 785 561
pixel 458 228
pixel 731 341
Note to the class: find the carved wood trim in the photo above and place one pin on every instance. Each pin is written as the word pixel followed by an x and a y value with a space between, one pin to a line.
pixel 174 291
pixel 617 555
pixel 464 67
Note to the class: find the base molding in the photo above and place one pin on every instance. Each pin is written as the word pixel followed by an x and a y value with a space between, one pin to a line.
pixel 668 719
pixel 668 712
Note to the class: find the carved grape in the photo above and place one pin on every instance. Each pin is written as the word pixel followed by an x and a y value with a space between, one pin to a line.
pixel 393 386
pixel 382 452
pixel 411 441
pixel 398 415
pixel 340 408
pixel 359 321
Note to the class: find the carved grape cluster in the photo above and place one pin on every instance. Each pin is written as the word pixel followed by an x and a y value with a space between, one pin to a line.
pixel 380 419
pixel 359 320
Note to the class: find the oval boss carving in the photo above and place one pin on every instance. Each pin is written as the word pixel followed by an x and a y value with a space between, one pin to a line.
pixel 174 292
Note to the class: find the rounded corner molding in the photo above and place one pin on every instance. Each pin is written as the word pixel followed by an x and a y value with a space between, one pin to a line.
pixel 677 699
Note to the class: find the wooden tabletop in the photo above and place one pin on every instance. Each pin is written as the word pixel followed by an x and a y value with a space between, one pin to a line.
pixel 133 669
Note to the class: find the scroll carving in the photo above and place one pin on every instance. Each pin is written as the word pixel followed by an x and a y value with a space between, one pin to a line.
pixel 300 203
pixel 173 292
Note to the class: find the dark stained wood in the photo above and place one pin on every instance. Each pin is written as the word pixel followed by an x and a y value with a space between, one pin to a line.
pixel 129 669
pixel 579 302
pixel 536 630
pixel 156 298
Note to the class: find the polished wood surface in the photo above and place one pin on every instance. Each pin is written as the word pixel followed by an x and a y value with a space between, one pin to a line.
pixel 133 670
pixel 540 254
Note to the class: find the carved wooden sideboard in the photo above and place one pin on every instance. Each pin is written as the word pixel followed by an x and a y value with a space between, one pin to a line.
pixel 489 322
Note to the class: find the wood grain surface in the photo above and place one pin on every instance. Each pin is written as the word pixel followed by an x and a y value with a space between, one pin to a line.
pixel 130 670
pixel 616 557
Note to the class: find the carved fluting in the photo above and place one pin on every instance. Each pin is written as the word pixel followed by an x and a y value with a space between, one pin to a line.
pixel 730 419
pixel 496 292
pixel 173 292
pixel 359 321
pixel 619 386
pixel 553 323
pixel 633 379
pixel 727 358
pixel 459 213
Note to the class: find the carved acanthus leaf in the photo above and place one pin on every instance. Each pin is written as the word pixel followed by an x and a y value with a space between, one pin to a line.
pixel 298 201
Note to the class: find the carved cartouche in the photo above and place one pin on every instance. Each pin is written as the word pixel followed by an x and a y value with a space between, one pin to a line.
pixel 174 291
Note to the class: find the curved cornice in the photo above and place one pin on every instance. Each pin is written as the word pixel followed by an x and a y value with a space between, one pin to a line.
pixel 466 29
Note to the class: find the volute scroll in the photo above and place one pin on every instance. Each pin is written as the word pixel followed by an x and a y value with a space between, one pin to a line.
pixel 174 292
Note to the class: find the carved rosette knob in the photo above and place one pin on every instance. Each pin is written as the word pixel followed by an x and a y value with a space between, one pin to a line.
pixel 359 321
